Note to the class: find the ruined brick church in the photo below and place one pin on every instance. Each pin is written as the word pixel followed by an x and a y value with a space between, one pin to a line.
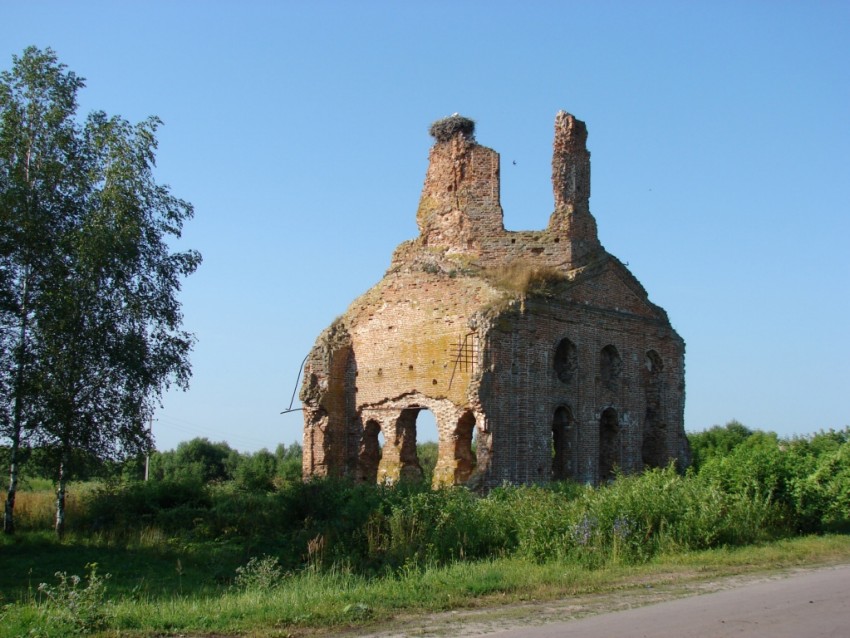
pixel 539 353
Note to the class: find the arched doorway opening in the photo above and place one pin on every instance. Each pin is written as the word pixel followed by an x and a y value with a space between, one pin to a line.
pixel 609 444
pixel 409 468
pixel 563 434
pixel 427 448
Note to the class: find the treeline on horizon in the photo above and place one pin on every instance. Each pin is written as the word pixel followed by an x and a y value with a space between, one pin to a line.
pixel 200 460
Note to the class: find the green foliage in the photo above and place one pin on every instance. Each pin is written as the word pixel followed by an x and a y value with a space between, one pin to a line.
pixel 73 606
pixel 716 441
pixel 336 536
pixel 756 466
pixel 171 506
pixel 427 454
pixel 822 498
pixel 763 486
pixel 372 529
pixel 289 462
pixel 256 472
pixel 434 527
pixel 202 461
pixel 198 460
pixel 803 480
pixel 629 520
pixel 261 573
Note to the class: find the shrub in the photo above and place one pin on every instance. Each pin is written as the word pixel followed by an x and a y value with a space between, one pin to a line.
pixel 195 460
pixel 256 472
pixel 427 454
pixel 260 573
pixel 171 505
pixel 436 527
pixel 762 486
pixel 538 518
pixel 69 608
pixel 629 520
pixel 289 462
pixel 716 442
pixel 822 498
pixel 760 468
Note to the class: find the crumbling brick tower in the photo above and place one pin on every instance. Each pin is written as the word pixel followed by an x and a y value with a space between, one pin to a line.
pixel 538 345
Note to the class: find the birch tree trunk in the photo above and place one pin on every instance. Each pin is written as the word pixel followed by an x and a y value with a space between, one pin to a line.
pixel 60 494
pixel 9 507
pixel 17 417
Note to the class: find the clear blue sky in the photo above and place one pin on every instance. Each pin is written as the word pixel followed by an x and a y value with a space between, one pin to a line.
pixel 720 141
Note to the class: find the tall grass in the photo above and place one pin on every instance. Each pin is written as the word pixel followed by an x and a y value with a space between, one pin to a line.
pixel 36 509
pixel 524 278
pixel 340 597
pixel 630 520
pixel 185 556
pixel 374 530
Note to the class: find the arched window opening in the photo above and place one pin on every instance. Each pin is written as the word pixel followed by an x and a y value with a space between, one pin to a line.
pixel 610 366
pixel 609 444
pixel 562 444
pixel 654 446
pixel 566 360
pixel 369 456
pixel 465 457
pixel 653 362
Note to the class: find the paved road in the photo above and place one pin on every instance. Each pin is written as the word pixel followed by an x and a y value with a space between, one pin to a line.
pixel 809 605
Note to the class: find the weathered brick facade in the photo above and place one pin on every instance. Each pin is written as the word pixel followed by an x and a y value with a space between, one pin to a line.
pixel 539 344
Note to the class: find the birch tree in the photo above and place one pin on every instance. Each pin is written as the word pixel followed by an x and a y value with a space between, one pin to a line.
pixel 100 328
pixel 39 186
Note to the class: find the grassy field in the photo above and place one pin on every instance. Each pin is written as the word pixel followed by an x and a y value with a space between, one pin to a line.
pixel 155 591
pixel 181 556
